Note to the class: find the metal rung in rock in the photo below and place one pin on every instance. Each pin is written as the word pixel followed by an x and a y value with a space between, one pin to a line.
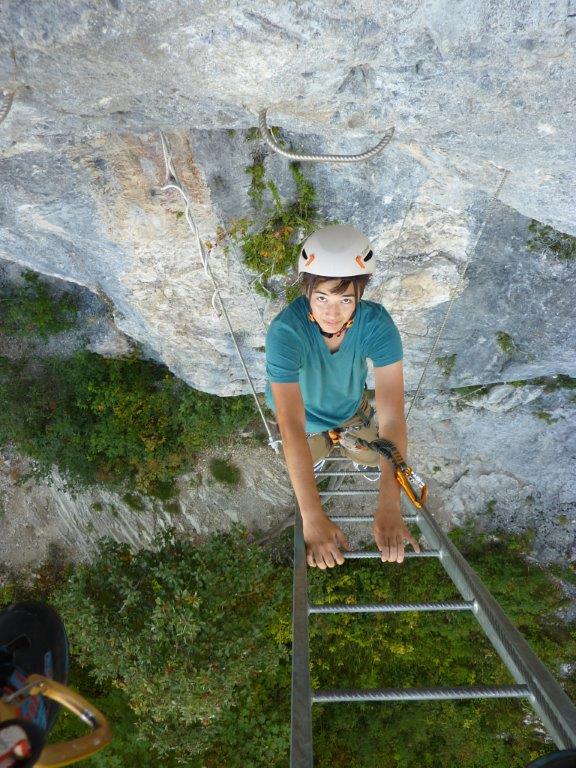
pixel 367 492
pixel 391 607
pixel 424 694
pixel 366 518
pixel 377 555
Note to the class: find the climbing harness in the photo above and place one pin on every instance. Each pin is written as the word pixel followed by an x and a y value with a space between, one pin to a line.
pixel 6 99
pixel 302 158
pixel 173 182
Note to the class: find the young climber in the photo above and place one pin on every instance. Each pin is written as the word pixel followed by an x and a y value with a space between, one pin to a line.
pixel 316 351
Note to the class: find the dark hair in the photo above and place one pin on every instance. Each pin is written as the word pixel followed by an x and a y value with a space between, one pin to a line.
pixel 309 282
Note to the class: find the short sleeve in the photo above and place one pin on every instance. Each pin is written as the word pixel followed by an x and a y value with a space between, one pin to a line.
pixel 283 353
pixel 383 342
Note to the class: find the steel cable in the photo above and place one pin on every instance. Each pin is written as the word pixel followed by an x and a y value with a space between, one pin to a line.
pixel 173 182
pixel 302 158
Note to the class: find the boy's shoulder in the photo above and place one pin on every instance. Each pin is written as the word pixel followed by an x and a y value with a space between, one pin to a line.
pixel 372 311
pixel 294 314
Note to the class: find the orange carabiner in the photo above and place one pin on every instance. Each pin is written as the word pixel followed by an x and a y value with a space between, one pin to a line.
pixel 414 486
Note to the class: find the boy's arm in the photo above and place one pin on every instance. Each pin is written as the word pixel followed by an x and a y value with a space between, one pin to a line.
pixel 322 536
pixel 389 528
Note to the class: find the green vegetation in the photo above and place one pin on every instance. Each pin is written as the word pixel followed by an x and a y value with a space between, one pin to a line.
pixel 111 421
pixel 506 343
pixel 134 501
pixel 30 310
pixel 446 364
pixel 270 246
pixel 490 507
pixel 196 664
pixel 545 238
pixel 224 471
pixel 545 416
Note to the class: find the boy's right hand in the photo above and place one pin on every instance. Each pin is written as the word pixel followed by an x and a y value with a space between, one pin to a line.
pixel 323 539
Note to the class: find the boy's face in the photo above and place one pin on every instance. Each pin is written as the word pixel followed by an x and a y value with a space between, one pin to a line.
pixel 332 310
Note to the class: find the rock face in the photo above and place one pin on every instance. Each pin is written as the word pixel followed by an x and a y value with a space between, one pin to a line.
pixel 473 90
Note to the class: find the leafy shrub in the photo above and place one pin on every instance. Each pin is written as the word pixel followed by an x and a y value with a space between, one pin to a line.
pixel 105 420
pixel 271 247
pixel 190 648
pixel 31 310
pixel 196 640
pixel 224 471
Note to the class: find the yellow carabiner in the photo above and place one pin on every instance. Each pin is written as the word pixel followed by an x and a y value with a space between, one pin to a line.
pixel 415 488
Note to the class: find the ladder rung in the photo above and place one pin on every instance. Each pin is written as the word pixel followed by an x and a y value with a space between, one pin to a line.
pixel 368 491
pixel 424 694
pixel 367 518
pixel 360 555
pixel 348 474
pixel 392 607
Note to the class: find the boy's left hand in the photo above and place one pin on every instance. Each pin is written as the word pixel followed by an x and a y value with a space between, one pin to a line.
pixel 390 533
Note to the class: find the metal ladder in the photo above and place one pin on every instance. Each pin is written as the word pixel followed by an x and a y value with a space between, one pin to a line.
pixel 533 680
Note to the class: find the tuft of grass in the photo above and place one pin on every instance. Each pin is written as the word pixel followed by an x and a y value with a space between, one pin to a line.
pixel 545 416
pixel 224 471
pixel 490 507
pixel 545 238
pixel 506 343
pixel 446 364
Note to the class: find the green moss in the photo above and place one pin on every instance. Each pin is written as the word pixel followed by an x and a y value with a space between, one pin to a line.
pixel 224 471
pixel 253 134
pixel 230 132
pixel 436 468
pixel 545 416
pixel 490 507
pixel 257 172
pixel 506 343
pixel 562 519
pixel 545 238
pixel 446 364
pixel 97 506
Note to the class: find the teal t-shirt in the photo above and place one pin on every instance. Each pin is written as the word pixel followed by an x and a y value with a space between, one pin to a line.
pixel 331 383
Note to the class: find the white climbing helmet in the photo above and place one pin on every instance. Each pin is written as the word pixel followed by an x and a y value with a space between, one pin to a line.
pixel 337 251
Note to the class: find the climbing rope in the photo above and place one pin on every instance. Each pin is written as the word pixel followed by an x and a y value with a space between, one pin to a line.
pixel 273 144
pixel 455 293
pixel 6 99
pixel 173 182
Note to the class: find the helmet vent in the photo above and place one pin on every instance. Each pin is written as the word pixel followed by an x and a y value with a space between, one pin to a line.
pixel 368 256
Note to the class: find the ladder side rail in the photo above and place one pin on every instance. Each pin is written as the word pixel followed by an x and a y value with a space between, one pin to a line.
pixel 548 699
pixel 301 750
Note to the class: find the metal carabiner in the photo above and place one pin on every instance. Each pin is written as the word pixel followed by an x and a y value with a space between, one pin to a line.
pixel 415 488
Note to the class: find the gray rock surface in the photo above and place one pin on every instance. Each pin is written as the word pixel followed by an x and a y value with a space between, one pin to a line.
pixel 471 88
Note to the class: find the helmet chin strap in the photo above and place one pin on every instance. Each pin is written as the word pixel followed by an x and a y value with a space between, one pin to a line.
pixel 347 324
